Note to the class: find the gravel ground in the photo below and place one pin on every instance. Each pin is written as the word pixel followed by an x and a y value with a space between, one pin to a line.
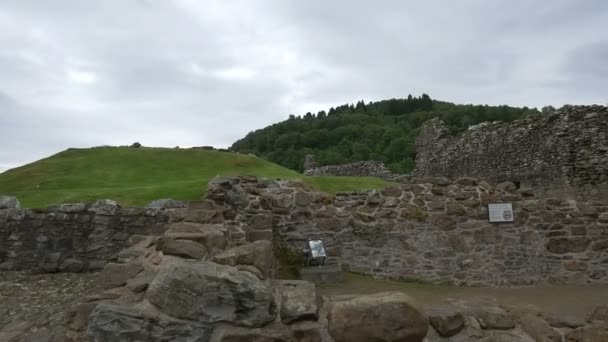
pixel 32 302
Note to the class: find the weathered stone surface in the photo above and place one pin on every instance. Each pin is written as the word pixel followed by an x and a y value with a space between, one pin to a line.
pixel 9 202
pixel 207 292
pixel 487 312
pixel 105 207
pixel 599 314
pixel 258 253
pixel 71 207
pixel 111 323
pixel 114 275
pixel 561 152
pixel 302 198
pixel 77 317
pixel 209 235
pixel 390 316
pixel 298 301
pixel 182 248
pixel 563 320
pixel 140 282
pixel 226 333
pixel 167 203
pixel 593 333
pixel 539 329
pixel 567 245
pixel 71 265
pixel 446 320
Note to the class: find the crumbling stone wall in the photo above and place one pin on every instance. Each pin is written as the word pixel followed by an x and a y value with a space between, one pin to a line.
pixel 368 168
pixel 435 231
pixel 564 152
pixel 82 237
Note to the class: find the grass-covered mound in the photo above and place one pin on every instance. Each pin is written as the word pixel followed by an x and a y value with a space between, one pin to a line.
pixel 136 176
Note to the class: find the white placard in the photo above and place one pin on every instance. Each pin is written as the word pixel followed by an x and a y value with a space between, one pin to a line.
pixel 501 212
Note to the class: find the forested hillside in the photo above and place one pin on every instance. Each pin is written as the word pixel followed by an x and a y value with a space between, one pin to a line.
pixel 383 131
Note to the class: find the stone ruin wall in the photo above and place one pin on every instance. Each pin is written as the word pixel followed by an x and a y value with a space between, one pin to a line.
pixel 356 169
pixel 436 231
pixel 84 237
pixel 564 152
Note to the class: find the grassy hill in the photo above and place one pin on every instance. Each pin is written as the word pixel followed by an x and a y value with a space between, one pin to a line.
pixel 137 176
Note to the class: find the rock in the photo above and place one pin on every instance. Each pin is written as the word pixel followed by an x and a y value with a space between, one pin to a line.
pixel 258 253
pixel 9 202
pixel 71 265
pixel 141 282
pixel 251 269
pixel 41 335
pixel 70 208
pixel 388 316
pixel 539 329
pixel 467 181
pixel 182 248
pixel 298 301
pixel 590 333
pixel 207 292
pixel 599 314
pixel 226 333
pixel 487 312
pixel 105 207
pixel 446 320
pixel 567 245
pixel 166 203
pixel 302 198
pixel 256 235
pixel 392 191
pixel 562 320
pixel 209 235
pixel 506 186
pixel 307 332
pixel 110 323
pixel 114 275
pixel 50 262
pixel 77 317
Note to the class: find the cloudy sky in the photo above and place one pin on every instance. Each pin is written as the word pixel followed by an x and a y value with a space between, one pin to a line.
pixel 186 72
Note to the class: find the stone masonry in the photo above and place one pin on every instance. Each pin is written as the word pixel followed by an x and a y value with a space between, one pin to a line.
pixel 564 152
pixel 434 230
pixel 84 237
pixel 367 168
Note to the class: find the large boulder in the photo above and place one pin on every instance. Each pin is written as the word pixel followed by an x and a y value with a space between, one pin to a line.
pixel 389 316
pixel 539 329
pixel 9 202
pixel 212 236
pixel 206 292
pixel 447 320
pixel 182 248
pixel 298 301
pixel 596 332
pixel 258 253
pixel 114 275
pixel 110 323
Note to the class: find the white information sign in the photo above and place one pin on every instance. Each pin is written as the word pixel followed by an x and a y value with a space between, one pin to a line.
pixel 501 212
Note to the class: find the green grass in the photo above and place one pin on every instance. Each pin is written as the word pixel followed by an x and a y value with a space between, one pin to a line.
pixel 134 177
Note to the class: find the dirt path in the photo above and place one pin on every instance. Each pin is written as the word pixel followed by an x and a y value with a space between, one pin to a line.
pixel 576 300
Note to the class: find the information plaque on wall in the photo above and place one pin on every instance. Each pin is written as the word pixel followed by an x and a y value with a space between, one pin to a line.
pixel 501 212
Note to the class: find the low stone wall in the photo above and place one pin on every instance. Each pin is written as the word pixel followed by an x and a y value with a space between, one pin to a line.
pixel 357 169
pixel 435 231
pixel 83 237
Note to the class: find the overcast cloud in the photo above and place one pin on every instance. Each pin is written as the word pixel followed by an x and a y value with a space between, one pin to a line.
pixel 186 72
